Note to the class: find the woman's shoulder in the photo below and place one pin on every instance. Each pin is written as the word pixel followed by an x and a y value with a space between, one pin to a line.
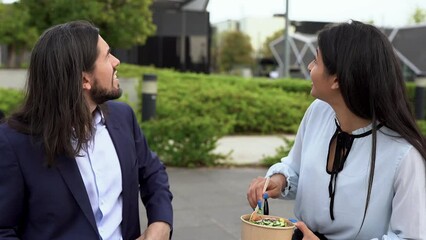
pixel 320 104
pixel 393 144
pixel 319 108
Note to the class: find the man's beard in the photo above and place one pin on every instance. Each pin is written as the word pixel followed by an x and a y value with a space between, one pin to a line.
pixel 100 95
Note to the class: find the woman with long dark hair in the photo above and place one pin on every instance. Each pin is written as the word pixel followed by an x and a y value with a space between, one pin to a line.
pixel 357 167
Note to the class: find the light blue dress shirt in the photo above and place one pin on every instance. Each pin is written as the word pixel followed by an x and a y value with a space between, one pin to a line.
pixel 100 169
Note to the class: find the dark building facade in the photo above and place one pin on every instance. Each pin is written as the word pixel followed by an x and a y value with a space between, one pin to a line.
pixel 182 40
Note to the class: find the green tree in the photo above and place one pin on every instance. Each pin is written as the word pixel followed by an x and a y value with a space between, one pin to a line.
pixel 418 16
pixel 122 23
pixel 266 50
pixel 235 50
pixel 15 31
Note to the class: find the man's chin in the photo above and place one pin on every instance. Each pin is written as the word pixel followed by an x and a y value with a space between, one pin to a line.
pixel 100 98
pixel 115 95
pixel 117 92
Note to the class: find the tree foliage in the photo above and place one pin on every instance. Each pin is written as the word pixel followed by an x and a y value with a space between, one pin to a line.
pixel 15 31
pixel 266 50
pixel 235 51
pixel 419 15
pixel 123 23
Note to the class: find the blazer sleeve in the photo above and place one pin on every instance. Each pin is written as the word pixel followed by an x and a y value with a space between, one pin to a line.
pixel 11 190
pixel 153 181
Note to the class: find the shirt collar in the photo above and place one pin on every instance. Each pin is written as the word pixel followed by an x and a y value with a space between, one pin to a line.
pixel 98 116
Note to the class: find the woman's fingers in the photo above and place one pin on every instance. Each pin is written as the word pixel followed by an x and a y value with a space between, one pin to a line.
pixel 255 189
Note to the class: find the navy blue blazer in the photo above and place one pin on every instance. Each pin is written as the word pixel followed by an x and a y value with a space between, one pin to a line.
pixel 43 203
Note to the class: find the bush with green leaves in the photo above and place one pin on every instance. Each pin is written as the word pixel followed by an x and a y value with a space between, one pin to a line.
pixel 186 141
pixel 10 99
pixel 281 151
pixel 195 110
pixel 422 126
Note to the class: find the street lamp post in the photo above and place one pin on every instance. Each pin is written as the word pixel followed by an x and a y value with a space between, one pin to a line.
pixel 286 67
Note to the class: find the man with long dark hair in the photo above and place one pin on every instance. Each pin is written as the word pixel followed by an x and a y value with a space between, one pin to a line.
pixel 72 163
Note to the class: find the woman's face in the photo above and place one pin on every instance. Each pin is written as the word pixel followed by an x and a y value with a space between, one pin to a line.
pixel 323 83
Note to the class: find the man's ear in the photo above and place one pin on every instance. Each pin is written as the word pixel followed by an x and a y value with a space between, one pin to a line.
pixel 86 81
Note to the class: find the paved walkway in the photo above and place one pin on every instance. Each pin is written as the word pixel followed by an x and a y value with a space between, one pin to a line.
pixel 249 150
pixel 12 78
pixel 208 202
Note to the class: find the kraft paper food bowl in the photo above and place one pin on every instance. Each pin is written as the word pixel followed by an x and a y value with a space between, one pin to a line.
pixel 251 231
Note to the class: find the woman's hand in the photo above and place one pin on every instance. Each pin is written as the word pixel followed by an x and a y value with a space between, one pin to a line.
pixel 307 233
pixel 277 182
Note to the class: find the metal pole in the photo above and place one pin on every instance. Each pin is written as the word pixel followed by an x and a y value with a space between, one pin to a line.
pixel 149 96
pixel 286 67
pixel 419 98
pixel 183 43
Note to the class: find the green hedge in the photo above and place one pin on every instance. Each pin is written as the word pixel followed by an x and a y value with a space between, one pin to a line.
pixel 10 99
pixel 195 110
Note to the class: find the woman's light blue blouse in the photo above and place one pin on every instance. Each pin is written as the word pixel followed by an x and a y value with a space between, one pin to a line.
pixel 397 208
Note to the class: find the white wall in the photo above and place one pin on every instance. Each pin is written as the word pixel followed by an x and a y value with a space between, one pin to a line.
pixel 257 28
pixel 260 28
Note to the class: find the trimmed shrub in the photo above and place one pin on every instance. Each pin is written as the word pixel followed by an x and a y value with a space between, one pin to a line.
pixel 281 151
pixel 195 110
pixel 10 99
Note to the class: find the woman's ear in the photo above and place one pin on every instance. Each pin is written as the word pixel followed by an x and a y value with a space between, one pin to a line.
pixel 86 81
pixel 335 84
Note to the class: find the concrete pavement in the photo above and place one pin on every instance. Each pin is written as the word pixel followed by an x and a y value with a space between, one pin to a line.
pixel 208 202
pixel 250 149
pixel 13 78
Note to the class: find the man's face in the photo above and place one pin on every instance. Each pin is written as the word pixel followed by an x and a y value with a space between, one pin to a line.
pixel 104 83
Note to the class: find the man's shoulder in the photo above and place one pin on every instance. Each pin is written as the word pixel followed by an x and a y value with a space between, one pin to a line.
pixel 9 134
pixel 6 129
pixel 117 111
pixel 116 108
pixel 117 105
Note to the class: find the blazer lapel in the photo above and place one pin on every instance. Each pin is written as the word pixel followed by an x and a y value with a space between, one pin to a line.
pixel 71 175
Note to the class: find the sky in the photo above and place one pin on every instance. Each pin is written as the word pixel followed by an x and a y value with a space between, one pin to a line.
pixel 384 13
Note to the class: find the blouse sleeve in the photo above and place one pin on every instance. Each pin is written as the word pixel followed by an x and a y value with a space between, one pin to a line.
pixel 290 165
pixel 408 219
